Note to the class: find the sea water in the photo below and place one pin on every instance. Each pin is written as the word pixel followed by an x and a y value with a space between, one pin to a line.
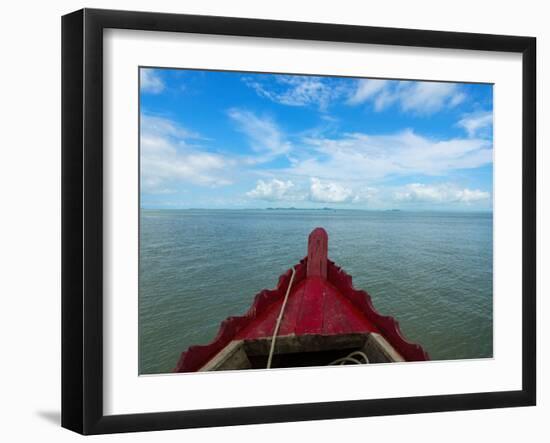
pixel 432 271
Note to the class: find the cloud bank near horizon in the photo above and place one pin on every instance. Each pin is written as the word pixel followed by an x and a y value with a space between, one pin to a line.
pixel 253 140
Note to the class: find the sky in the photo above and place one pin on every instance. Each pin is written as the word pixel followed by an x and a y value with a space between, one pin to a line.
pixel 230 140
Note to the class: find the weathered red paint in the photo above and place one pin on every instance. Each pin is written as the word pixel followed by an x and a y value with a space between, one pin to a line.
pixel 322 300
pixel 317 253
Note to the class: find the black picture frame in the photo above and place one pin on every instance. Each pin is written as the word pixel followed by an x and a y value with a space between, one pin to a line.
pixel 82 220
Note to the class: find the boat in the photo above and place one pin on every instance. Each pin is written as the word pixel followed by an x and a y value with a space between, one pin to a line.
pixel 314 317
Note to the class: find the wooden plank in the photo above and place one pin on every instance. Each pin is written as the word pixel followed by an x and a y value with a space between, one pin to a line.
pixel 379 350
pixel 264 325
pixel 335 318
pixel 310 317
pixel 317 249
pixel 291 344
pixel 231 357
pixel 292 310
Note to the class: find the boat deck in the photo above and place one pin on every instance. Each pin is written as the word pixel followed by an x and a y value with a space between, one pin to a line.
pixel 314 306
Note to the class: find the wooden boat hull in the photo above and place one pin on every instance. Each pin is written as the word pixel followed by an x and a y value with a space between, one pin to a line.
pixel 323 311
pixel 302 350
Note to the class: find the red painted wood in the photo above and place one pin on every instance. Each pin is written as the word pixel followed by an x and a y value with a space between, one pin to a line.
pixel 317 250
pixel 342 317
pixel 335 320
pixel 314 307
pixel 322 300
pixel 264 324
pixel 387 325
pixel 197 356
pixel 310 317
pixel 292 310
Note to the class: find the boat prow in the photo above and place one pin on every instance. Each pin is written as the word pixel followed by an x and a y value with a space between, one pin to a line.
pixel 313 317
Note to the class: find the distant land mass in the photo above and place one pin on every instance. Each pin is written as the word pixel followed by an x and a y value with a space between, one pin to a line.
pixel 292 208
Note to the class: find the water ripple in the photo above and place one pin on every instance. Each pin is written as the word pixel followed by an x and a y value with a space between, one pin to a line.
pixel 432 271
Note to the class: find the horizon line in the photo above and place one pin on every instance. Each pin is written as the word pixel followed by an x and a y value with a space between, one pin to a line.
pixel 315 209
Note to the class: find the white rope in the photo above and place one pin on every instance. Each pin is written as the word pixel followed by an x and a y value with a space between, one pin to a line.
pixel 349 358
pixel 276 331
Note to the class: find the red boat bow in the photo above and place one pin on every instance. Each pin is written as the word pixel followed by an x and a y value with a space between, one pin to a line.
pixel 321 300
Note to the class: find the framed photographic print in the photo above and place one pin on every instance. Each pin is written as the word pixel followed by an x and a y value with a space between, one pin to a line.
pixel 262 217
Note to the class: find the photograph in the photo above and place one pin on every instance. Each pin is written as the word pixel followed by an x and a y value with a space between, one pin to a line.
pixel 289 220
pixel 293 218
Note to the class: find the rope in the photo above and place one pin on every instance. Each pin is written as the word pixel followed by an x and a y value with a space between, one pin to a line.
pixel 341 361
pixel 276 331
pixel 349 358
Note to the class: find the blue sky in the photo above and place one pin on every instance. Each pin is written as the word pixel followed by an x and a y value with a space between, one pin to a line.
pixel 245 140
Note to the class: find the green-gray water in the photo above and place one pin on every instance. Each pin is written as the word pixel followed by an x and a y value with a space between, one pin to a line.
pixel 432 271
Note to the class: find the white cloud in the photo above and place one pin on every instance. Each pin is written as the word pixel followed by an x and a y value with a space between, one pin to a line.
pixel 429 97
pixel 274 190
pixel 478 123
pixel 150 81
pixel 265 137
pixel 329 192
pixel 297 90
pixel 440 193
pixel 163 127
pixel 365 194
pixel 167 158
pixel 367 158
pixel 365 90
pixel 410 96
pixel 333 192
pixel 318 191
pixel 421 97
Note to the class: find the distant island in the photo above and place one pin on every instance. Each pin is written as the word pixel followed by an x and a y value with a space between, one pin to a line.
pixel 292 208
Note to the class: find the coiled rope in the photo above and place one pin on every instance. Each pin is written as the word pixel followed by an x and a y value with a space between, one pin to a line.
pixel 350 359
pixel 276 330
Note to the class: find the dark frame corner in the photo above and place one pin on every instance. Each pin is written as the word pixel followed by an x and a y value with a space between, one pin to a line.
pixel 82 254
